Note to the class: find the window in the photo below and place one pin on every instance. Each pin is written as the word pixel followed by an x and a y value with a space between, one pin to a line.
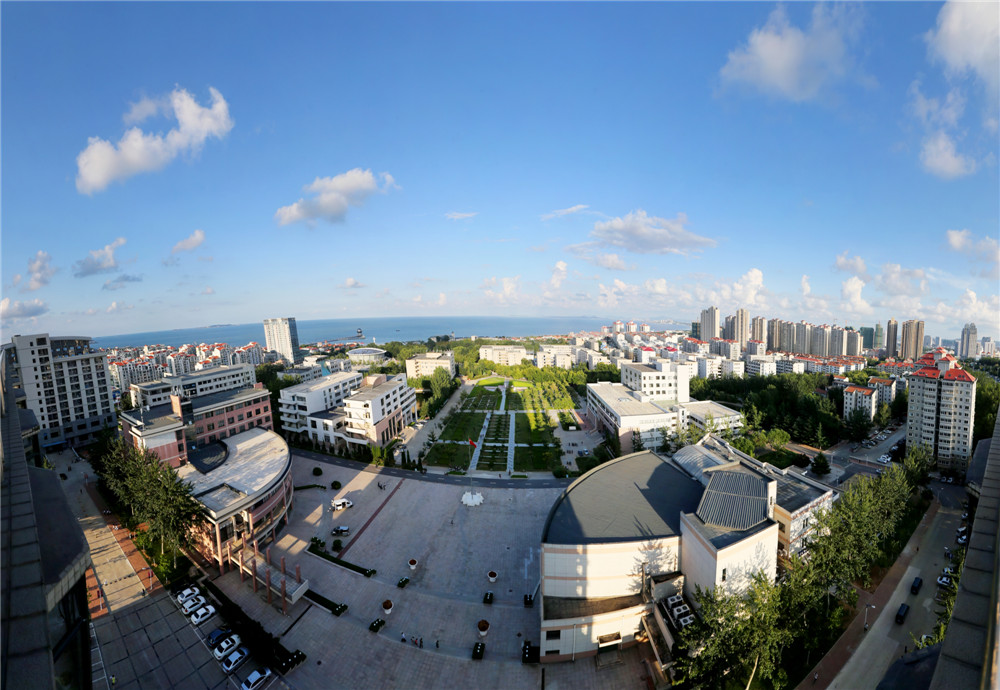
pixel 552 634
pixel 723 574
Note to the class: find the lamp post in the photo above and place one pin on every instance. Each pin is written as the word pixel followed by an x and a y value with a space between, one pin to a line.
pixel 867 606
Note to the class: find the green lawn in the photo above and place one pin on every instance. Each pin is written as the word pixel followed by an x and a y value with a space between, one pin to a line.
pixel 449 455
pixel 519 384
pixel 482 399
pixel 464 426
pixel 492 458
pixel 491 381
pixel 533 427
pixel 542 396
pixel 536 459
pixel 779 458
pixel 498 430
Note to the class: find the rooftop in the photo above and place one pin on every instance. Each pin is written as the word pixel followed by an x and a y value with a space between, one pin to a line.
pixel 733 500
pixel 373 392
pixel 703 408
pixel 633 498
pixel 620 399
pixel 321 383
pixel 366 351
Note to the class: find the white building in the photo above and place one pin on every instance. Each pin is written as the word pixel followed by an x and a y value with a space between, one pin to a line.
pixel 504 355
pixel 658 380
pixel 193 385
pixel 379 410
pixel 424 365
pixel 282 336
pixel 699 412
pixel 734 368
pixel 562 356
pixel 968 347
pixel 942 409
pixel 66 385
pixel 860 397
pixel 730 349
pixel 251 354
pixel 632 416
pixel 885 389
pixel 710 323
pixel 297 402
pixel 761 366
pixel 710 367
pixel 367 355
pixel 178 364
pixel 790 366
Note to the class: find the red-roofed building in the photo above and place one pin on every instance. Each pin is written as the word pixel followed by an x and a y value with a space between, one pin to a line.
pixel 860 398
pixel 886 389
pixel 942 408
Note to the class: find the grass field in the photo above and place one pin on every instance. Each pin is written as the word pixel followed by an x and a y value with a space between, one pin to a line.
pixel 449 455
pixel 541 396
pixel 533 427
pixel 519 384
pixel 536 459
pixel 492 458
pixel 464 426
pixel 498 430
pixel 482 399
pixel 491 381
pixel 780 458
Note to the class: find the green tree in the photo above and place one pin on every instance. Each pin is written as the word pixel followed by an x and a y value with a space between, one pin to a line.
pixel 859 425
pixel 778 438
pixel 820 465
pixel 637 443
pixel 900 404
pixel 883 415
pixel 918 464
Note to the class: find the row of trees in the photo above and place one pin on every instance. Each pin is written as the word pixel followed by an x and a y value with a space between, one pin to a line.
pixel 150 490
pixel 775 626
pixel 437 388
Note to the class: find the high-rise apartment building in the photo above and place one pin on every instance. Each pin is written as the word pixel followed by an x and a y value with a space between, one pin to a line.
pixel 803 338
pixel 820 342
pixel 913 339
pixel 773 335
pixel 282 336
pixel 67 386
pixel 838 342
pixel 729 328
pixel 941 409
pixel 758 329
pixel 879 336
pixel 853 343
pixel 741 327
pixel 709 323
pixel 787 343
pixel 968 345
pixel 696 330
pixel 892 338
pixel 867 337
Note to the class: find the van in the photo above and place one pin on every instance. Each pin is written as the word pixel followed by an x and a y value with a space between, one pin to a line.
pixel 340 504
pixel 901 613
pixel 915 587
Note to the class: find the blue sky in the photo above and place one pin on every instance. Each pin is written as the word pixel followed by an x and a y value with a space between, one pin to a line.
pixel 177 165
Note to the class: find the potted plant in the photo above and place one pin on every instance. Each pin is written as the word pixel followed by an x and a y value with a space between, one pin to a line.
pixel 484 627
pixel 412 563
pixel 387 606
pixel 492 575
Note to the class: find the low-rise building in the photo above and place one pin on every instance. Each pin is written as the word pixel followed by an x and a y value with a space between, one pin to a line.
pixel 192 385
pixel 297 402
pixel 660 380
pixel 885 388
pixel 860 397
pixel 733 368
pixel 367 355
pixel 631 416
pixel 504 355
pixel 379 410
pixel 423 365
pixel 701 412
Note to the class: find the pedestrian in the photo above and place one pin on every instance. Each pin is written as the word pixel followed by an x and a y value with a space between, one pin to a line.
pixel 113 679
pixel 421 643
pixel 402 637
pixel 437 644
pixel 815 677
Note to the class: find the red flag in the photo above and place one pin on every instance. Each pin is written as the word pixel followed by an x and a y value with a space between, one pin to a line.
pixel 471 443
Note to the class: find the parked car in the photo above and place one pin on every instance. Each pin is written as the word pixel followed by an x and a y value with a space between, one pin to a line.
pixel 217 636
pixel 187 594
pixel 226 646
pixel 917 584
pixel 901 613
pixel 944 581
pixel 203 614
pixel 948 570
pixel 962 540
pixel 256 679
pixel 962 530
pixel 965 515
pixel 235 660
pixel 192 604
pixel 340 504
pixel 341 531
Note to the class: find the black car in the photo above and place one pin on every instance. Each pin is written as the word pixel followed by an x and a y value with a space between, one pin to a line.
pixel 341 531
pixel 901 613
pixel 217 636
pixel 915 587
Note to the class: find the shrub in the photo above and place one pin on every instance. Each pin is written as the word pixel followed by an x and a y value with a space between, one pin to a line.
pixel 317 471
pixel 337 545
pixel 335 485
pixel 560 472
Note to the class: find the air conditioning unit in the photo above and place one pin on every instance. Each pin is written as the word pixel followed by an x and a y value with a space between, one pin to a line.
pixel 686 621
pixel 681 611
pixel 675 600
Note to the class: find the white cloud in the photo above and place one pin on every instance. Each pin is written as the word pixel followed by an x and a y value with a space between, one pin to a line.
pixel 609 296
pixel 509 292
pixel 657 286
pixel 799 65
pixel 209 290
pixel 102 162
pixel 40 271
pixel 896 280
pixel 10 311
pixel 333 196
pixel 116 307
pixel 441 300
pixel 643 234
pixel 853 265
pixel 455 215
pixel 99 260
pixel 850 296
pixel 934 113
pixel 959 240
pixel 969 307
pixel 985 250
pixel 806 289
pixel 119 282
pixel 558 274
pixel 145 108
pixel 939 157
pixel 609 261
pixel 967 38
pixel 352 284
pixel 193 241
pixel 749 289
pixel 559 213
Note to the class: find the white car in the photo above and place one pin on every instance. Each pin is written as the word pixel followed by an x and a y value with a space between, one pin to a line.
pixel 340 504
pixel 193 604
pixel 235 660
pixel 187 594
pixel 944 581
pixel 256 679
pixel 202 614
pixel 226 646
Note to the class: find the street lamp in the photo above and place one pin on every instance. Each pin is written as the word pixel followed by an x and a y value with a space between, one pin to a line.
pixel 867 606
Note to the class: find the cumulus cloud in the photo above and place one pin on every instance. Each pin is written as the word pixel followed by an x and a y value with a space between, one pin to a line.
pixel 610 295
pixel 785 61
pixel 644 234
pixel 455 215
pixel 208 291
pixel 11 311
pixel 985 250
pixel 99 260
pixel 558 274
pixel 560 212
pixel 144 109
pixel 850 296
pixel 441 300
pixel 749 289
pixel 854 265
pixel 896 280
pixel 933 112
pixel 333 196
pixel 40 271
pixel 609 261
pixel 806 288
pixel 189 243
pixel 119 282
pixel 967 39
pixel 939 157
pixel 504 290
pixel 116 307
pixel 103 162
pixel 352 283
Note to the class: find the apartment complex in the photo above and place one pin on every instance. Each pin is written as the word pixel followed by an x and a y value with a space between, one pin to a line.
pixel 709 323
pixel 379 410
pixel 184 425
pixel 968 345
pixel 658 381
pixel 505 355
pixel 297 402
pixel 282 336
pixel 913 339
pixel 860 398
pixel 424 365
pixel 192 385
pixel 942 409
pixel 66 385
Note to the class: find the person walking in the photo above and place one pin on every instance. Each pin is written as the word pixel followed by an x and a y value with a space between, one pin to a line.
pixel 402 637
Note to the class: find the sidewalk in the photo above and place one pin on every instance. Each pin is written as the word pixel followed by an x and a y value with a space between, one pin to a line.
pixel 830 666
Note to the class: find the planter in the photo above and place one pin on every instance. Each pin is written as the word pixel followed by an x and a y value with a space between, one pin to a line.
pixel 484 627
pixel 387 606
pixel 412 563
pixel 492 575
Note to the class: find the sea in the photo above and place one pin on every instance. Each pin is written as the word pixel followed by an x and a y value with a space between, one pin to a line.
pixel 374 330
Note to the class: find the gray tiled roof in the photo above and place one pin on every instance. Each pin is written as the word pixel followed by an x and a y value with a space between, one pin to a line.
pixel 733 500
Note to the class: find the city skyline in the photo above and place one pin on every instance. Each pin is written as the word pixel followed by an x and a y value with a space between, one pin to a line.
pixel 834 164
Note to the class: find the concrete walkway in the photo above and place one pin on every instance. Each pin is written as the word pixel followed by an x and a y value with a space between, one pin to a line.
pixel 510 445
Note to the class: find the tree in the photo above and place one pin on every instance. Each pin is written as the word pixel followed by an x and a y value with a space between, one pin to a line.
pixel 859 425
pixel 637 443
pixel 125 401
pixel 883 415
pixel 745 445
pixel 917 464
pixel 900 404
pixel 778 438
pixel 820 465
pixel 751 417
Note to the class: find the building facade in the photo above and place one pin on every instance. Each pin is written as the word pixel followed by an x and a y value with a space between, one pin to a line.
pixel 281 335
pixel 297 402
pixel 892 338
pixel 192 385
pixel 709 323
pixel 913 339
pixel 860 398
pixel 941 409
pixel 968 345
pixel 424 365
